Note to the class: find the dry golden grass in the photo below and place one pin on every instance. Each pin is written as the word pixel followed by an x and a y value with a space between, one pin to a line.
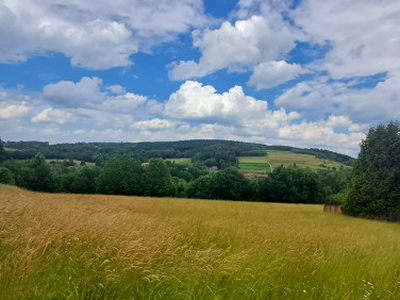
pixel 94 246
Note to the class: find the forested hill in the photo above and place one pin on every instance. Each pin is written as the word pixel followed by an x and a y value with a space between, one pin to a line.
pixel 209 151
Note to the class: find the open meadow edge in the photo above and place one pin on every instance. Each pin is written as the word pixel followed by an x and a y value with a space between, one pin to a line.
pixel 96 246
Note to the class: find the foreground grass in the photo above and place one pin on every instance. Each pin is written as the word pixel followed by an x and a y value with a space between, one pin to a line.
pixel 93 246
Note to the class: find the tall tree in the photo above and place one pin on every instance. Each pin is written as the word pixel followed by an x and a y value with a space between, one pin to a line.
pixel 157 180
pixel 121 175
pixel 2 150
pixel 39 176
pixel 375 183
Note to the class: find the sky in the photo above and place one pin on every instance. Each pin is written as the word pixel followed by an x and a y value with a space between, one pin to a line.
pixel 304 73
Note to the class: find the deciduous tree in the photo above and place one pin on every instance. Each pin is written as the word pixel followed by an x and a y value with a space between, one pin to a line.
pixel 375 183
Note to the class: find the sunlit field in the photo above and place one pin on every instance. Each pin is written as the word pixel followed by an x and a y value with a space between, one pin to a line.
pixel 254 164
pixel 278 158
pixel 65 246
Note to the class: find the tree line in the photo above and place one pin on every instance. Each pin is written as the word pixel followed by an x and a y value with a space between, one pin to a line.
pixel 210 152
pixel 124 175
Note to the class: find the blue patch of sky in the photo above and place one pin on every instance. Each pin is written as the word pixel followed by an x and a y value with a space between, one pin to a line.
pixel 305 53
pixel 148 75
pixel 272 93
pixel 365 82
pixel 35 72
pixel 220 8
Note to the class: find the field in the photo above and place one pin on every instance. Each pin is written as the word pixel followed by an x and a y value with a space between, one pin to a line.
pixel 11 149
pixel 181 161
pixel 277 158
pixel 76 161
pixel 63 246
pixel 254 164
pixel 265 164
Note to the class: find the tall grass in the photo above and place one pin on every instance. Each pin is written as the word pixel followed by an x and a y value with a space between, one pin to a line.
pixel 108 247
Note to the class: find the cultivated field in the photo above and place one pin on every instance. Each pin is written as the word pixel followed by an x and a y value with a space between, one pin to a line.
pixel 254 164
pixel 64 246
pixel 277 158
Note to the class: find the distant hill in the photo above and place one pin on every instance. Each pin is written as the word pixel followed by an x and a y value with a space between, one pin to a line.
pixel 218 152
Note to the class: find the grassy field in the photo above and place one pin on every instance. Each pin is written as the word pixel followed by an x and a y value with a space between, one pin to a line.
pixel 254 164
pixel 62 246
pixel 10 149
pixel 277 158
pixel 76 161
pixel 181 161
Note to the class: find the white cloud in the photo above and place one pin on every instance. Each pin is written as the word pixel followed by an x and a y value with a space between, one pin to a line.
pixel 116 89
pixel 154 124
pixel 193 111
pixel 319 97
pixel 79 132
pixel 68 93
pixel 364 35
pixel 270 74
pixel 94 34
pixel 193 101
pixel 237 47
pixel 51 131
pixel 322 134
pixel 13 110
pixel 53 115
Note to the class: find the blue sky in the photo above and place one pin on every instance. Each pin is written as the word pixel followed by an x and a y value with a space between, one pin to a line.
pixel 303 73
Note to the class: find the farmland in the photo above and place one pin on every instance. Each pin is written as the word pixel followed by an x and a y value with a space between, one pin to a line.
pixel 96 246
pixel 277 158
pixel 254 164
pixel 263 164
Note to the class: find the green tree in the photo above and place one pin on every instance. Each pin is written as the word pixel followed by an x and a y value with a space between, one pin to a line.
pixel 39 176
pixel 375 182
pixel 2 151
pixel 293 185
pixel 87 178
pixel 228 184
pixel 120 175
pixel 157 180
pixel 6 176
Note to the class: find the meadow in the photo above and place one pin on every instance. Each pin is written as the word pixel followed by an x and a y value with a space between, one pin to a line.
pixel 278 158
pixel 109 247
pixel 254 164
pixel 180 161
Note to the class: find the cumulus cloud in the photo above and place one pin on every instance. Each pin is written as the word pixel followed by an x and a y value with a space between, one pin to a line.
pixel 70 94
pixel 237 47
pixel 364 35
pixel 321 96
pixel 193 101
pixel 94 34
pixel 154 124
pixel 270 74
pixel 13 110
pixel 322 134
pixel 53 115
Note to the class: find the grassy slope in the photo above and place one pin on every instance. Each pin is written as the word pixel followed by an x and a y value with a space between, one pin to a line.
pixel 254 164
pixel 260 164
pixel 94 246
